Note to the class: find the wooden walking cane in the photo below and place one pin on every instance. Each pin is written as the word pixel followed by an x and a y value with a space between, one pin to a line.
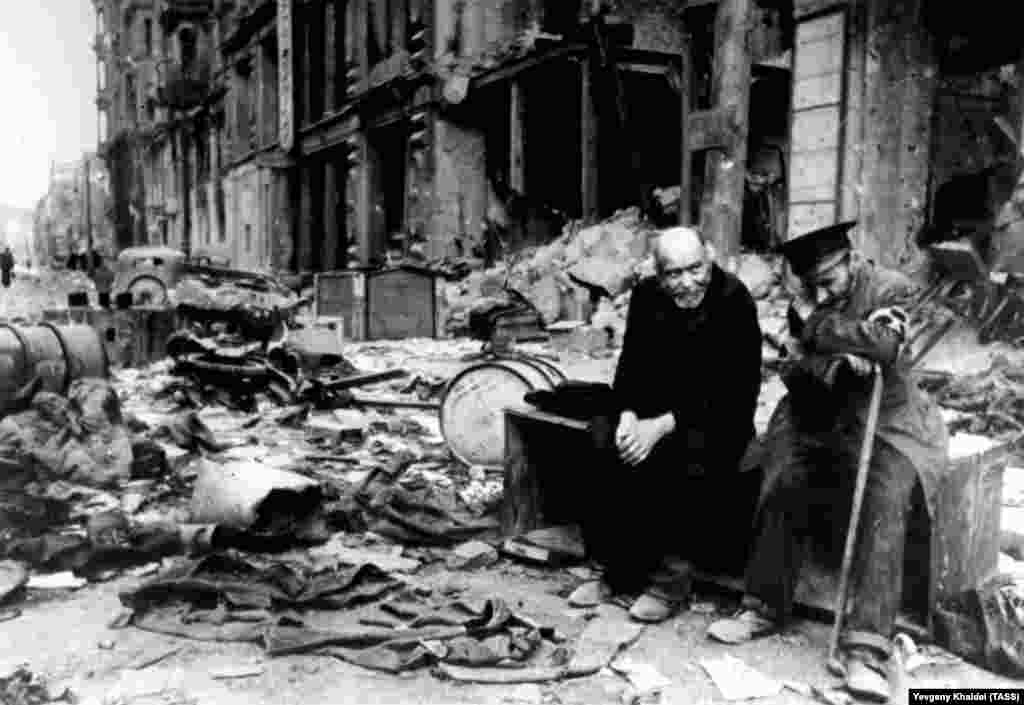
pixel 863 465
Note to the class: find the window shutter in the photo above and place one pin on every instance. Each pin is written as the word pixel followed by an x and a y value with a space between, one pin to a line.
pixel 816 129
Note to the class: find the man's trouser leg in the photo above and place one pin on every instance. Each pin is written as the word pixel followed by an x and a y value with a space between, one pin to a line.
pixel 783 523
pixel 624 522
pixel 877 578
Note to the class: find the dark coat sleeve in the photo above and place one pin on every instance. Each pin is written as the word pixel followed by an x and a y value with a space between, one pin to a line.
pixel 629 376
pixel 718 437
pixel 834 334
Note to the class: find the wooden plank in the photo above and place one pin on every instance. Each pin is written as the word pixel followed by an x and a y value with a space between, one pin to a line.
pixel 532 414
pixel 514 69
pixel 710 129
pixel 520 510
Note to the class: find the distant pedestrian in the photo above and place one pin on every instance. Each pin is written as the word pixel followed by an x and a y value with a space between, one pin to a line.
pixel 103 277
pixel 6 266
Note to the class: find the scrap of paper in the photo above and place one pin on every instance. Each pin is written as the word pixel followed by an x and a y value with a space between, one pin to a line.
pixel 738 681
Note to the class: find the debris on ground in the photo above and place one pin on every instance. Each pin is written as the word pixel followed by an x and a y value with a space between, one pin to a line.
pixel 990 402
pixel 23 687
pixel 644 677
pixel 472 555
pixel 585 276
pixel 736 680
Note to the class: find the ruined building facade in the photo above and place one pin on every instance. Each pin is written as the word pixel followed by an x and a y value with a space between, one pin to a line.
pixel 307 135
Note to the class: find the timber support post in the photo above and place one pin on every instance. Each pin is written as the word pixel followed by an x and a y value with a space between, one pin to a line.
pixel 722 207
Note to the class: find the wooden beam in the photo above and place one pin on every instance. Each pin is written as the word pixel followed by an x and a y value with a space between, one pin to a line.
pixel 686 156
pixel 516 68
pixel 588 148
pixel 722 213
pixel 516 162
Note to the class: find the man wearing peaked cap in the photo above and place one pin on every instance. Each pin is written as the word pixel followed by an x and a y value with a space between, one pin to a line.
pixel 846 317
pixel 819 250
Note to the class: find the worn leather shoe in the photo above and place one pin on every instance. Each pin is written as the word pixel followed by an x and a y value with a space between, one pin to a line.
pixel 590 594
pixel 865 676
pixel 653 609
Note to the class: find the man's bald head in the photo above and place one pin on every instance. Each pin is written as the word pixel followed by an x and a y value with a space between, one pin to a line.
pixel 679 243
pixel 683 261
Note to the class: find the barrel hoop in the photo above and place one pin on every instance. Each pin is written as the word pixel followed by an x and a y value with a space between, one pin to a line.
pixel 553 374
pixel 68 374
pixel 24 349
pixel 459 376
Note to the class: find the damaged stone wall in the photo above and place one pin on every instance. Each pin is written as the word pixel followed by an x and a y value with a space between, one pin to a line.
pixel 356 187
pixel 420 203
pixel 657 24
pixel 460 198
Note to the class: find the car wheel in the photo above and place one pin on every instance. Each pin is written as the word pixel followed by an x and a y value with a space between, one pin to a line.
pixel 148 291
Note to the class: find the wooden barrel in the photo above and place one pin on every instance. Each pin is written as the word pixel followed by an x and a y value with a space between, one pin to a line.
pixel 474 402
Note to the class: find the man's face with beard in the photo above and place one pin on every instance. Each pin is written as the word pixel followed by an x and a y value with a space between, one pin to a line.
pixel 832 283
pixel 683 266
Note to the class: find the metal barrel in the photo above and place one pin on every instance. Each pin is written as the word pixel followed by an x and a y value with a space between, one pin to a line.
pixel 58 354
pixel 474 402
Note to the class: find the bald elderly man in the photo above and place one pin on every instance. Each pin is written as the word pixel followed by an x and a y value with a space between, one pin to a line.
pixel 687 384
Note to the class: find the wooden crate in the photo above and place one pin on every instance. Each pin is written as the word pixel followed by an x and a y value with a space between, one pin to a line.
pixel 342 296
pixel 944 556
pixel 401 303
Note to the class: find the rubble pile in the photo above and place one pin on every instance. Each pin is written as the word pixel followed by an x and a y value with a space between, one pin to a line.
pixel 586 275
pixel 988 403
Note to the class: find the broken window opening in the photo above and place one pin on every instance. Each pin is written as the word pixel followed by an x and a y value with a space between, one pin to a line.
pixel 644 153
pixel 552 154
pixel 270 92
pixel 765 191
pixel 148 34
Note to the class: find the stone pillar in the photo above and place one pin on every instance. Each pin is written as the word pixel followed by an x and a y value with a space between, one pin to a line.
pixel 329 253
pixel 304 249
